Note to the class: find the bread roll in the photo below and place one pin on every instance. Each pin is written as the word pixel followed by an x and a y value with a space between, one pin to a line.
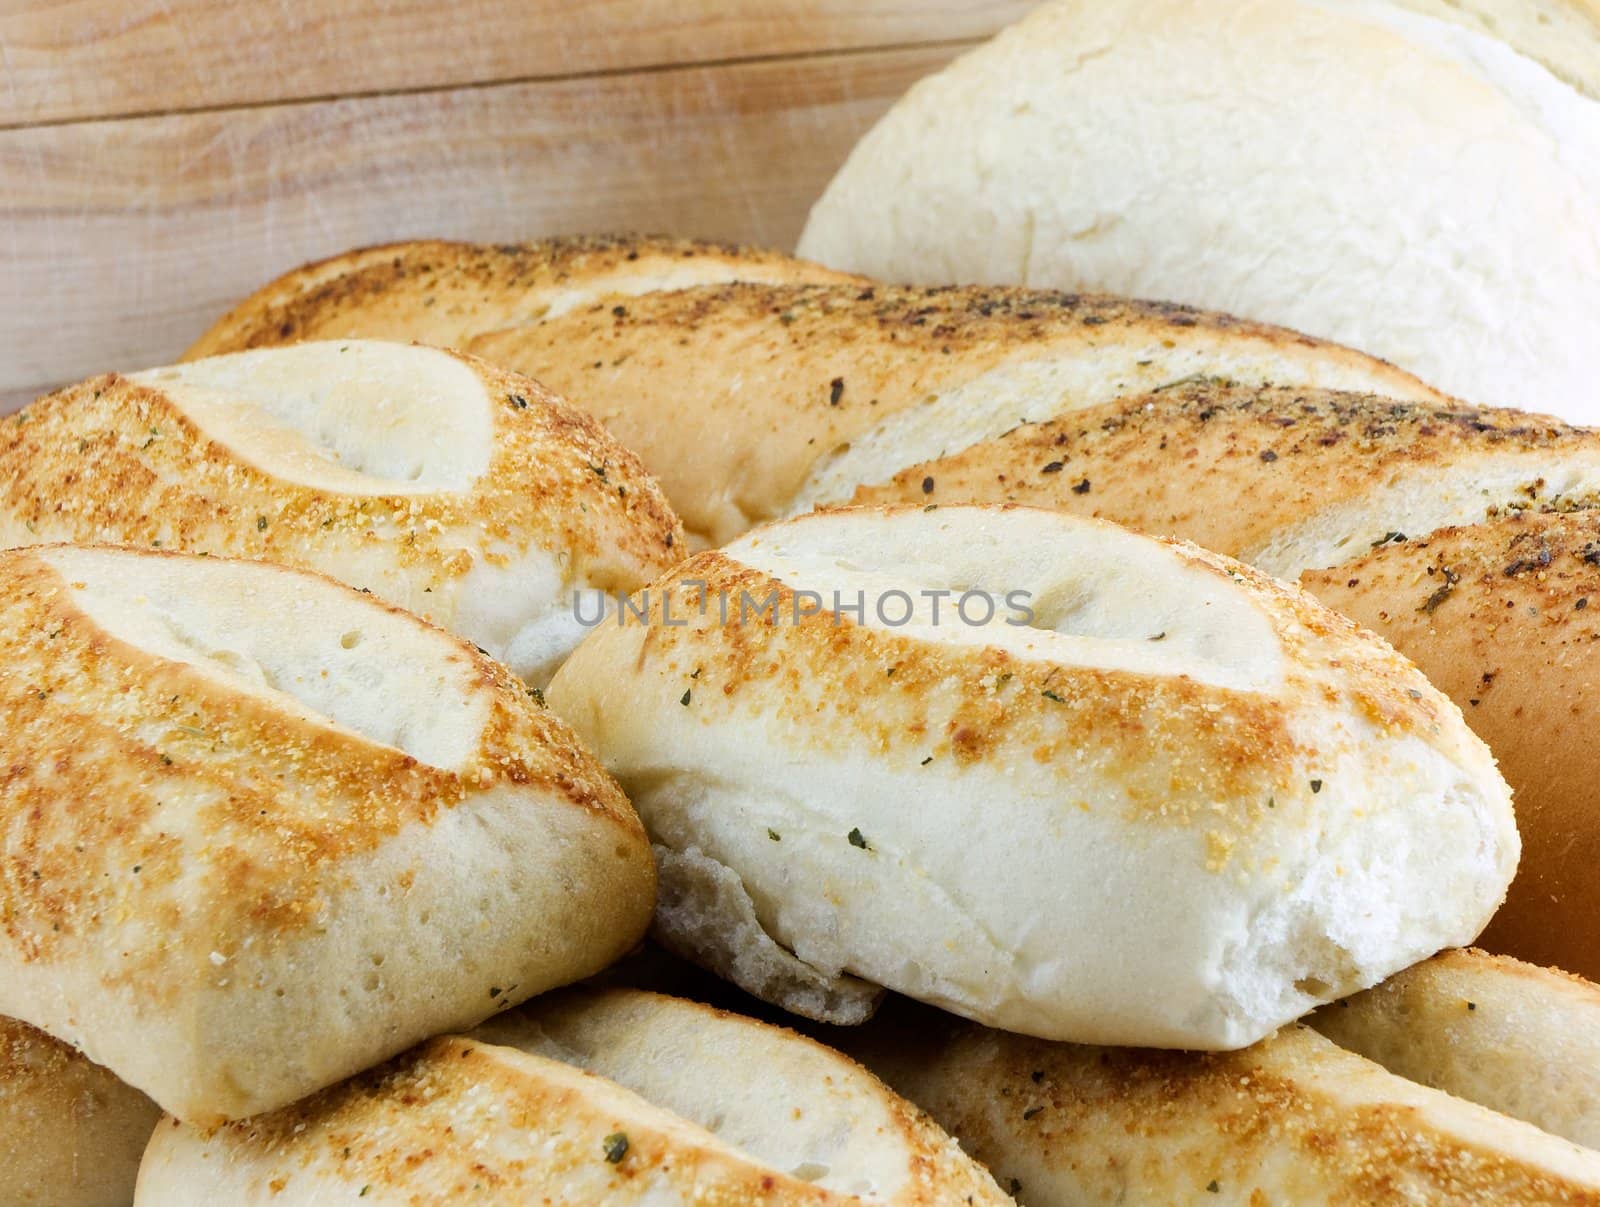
pixel 1293 1119
pixel 263 831
pixel 1140 794
pixel 1391 176
pixel 70 1133
pixel 611 1097
pixel 1510 1036
pixel 836 385
pixel 1349 493
pixel 468 495
pixel 442 293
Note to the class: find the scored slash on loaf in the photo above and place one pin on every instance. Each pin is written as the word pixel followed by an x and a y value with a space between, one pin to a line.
pixel 1179 806
pixel 263 831
pixel 615 1096
pixel 471 496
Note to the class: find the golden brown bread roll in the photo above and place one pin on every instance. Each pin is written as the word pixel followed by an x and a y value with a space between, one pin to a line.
pixel 263 830
pixel 1170 801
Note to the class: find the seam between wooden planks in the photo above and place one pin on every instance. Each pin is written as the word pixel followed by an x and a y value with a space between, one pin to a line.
pixel 608 73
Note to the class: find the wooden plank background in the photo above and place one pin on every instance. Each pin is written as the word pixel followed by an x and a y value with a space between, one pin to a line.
pixel 159 158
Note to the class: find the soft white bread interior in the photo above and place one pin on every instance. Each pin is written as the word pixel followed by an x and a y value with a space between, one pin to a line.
pixel 1293 1119
pixel 468 495
pixel 1449 220
pixel 1140 794
pixel 71 1134
pixel 1519 1039
pixel 264 831
pixel 614 1096
pixel 441 292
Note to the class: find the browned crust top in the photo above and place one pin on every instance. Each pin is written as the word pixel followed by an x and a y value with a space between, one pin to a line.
pixel 1225 466
pixel 439 291
pixel 443 1121
pixel 1185 752
pixel 114 459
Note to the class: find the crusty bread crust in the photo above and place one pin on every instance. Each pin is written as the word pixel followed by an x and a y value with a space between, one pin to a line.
pixel 504 1117
pixel 1514 1037
pixel 251 816
pixel 1294 1119
pixel 71 1134
pixel 442 293
pixel 1286 479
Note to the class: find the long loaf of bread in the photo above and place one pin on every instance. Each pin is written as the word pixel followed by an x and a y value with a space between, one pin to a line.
pixel 833 385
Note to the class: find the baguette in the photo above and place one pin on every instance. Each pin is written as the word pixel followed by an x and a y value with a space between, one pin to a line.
pixel 264 831
pixel 1448 220
pixel 1292 1119
pixel 597 1097
pixel 1174 804
pixel 71 1134
pixel 1516 1038
pixel 442 293
pixel 836 385
pixel 1442 529
pixel 470 496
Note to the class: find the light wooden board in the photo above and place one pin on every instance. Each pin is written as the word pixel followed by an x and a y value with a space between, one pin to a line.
pixel 159 158
pixel 70 59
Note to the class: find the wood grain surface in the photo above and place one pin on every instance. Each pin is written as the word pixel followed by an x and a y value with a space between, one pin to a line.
pixel 160 159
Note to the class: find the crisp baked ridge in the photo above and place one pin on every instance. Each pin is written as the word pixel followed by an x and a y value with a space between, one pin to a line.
pixel 680 1103
pixel 1291 810
pixel 1561 35
pixel 261 831
pixel 1502 616
pixel 1511 1036
pixel 71 1134
pixel 441 292
pixel 836 385
pixel 468 495
pixel 1465 249
pixel 1287 479
pixel 1292 1119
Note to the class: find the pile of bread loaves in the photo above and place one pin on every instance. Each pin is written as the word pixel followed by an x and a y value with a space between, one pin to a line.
pixel 971 677
pixel 360 692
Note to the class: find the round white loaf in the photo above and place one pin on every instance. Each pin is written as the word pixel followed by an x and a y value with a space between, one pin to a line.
pixel 615 1097
pixel 1180 807
pixel 262 831
pixel 1396 180
pixel 470 496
